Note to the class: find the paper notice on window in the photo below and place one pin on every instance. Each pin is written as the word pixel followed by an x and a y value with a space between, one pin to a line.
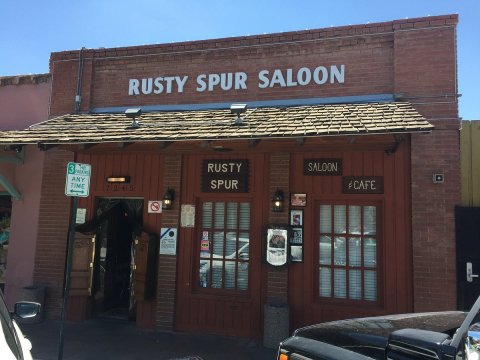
pixel 277 247
pixel 187 217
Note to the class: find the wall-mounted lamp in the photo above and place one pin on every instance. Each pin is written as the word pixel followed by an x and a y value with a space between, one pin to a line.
pixel 167 201
pixel 133 114
pixel 278 201
pixel 238 109
pixel 118 179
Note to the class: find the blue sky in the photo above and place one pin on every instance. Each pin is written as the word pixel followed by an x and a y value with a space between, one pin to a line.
pixel 31 30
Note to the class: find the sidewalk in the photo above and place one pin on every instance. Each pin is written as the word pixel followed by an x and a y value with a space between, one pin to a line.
pixel 113 339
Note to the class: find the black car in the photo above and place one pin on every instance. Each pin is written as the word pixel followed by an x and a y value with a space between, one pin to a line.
pixel 450 335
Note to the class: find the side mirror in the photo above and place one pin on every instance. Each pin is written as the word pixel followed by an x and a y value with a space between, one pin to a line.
pixel 26 309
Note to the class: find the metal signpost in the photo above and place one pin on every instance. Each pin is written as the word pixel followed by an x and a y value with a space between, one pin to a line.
pixel 77 184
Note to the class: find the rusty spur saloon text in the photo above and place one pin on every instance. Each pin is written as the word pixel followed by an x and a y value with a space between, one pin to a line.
pixel 225 176
pixel 320 75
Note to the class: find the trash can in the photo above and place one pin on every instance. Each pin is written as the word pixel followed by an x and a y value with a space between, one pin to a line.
pixel 275 324
pixel 34 294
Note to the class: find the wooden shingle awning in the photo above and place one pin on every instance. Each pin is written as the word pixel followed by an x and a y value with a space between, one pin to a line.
pixel 205 125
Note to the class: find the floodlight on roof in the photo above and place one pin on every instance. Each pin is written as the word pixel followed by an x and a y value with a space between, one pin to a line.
pixel 132 114
pixel 238 109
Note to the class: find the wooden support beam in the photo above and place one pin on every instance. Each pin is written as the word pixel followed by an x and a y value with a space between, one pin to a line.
pixel 45 147
pixel 253 142
pixel 123 145
pixel 87 146
pixel 300 141
pixel 164 144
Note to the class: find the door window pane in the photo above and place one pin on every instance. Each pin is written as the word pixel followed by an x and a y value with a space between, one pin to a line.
pixel 340 219
pixel 340 284
pixel 355 252
pixel 325 282
pixel 325 218
pixel 352 242
pixel 339 252
pixel 325 250
pixel 224 247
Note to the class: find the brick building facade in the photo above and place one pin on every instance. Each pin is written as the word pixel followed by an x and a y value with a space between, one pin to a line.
pixel 361 97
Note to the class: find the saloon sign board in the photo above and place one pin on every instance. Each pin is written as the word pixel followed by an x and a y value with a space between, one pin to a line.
pixel 239 80
pixel 322 167
pixel 225 176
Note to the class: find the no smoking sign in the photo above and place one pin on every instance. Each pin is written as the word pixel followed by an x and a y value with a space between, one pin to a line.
pixel 155 207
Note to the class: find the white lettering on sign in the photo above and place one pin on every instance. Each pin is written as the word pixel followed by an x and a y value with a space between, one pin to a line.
pixel 323 167
pixel 78 179
pixel 224 184
pixel 362 185
pixel 303 76
pixel 226 81
pixel 230 167
pixel 230 81
pixel 157 85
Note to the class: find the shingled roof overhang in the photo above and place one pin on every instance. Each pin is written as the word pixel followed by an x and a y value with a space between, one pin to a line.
pixel 258 123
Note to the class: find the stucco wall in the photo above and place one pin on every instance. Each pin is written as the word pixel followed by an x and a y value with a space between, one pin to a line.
pixel 24 224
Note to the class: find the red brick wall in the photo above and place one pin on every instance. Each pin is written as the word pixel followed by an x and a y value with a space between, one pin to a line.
pixel 53 230
pixel 277 278
pixel 368 61
pixel 167 264
pixel 425 73
pixel 414 59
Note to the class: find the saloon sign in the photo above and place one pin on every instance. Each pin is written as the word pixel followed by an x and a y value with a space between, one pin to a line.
pixel 239 80
pixel 225 176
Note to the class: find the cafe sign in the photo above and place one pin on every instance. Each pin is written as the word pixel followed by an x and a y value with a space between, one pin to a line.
pixel 225 176
pixel 363 185
pixel 330 167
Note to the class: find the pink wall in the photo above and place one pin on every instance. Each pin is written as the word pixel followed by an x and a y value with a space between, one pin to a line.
pixel 24 101
pixel 24 225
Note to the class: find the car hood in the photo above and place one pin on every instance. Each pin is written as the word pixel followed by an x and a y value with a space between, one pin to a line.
pixel 369 336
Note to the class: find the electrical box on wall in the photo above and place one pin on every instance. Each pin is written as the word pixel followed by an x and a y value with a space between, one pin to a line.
pixel 438 178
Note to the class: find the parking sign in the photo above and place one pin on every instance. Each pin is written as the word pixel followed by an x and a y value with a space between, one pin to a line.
pixel 78 179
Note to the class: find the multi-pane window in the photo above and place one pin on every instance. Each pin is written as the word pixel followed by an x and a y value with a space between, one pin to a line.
pixel 224 245
pixel 347 252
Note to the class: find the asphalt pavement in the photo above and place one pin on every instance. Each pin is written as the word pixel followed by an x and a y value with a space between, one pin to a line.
pixel 116 339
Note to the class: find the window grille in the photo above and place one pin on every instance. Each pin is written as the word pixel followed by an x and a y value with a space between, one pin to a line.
pixel 224 246
pixel 347 255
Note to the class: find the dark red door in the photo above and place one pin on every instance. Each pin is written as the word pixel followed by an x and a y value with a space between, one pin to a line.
pixel 219 281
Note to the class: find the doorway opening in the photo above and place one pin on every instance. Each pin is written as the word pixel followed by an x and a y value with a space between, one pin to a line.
pixel 119 223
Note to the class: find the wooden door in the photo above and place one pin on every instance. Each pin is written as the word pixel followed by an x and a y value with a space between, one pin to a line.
pixel 219 268
pixel 81 277
pixel 144 267
pixel 82 265
pixel 356 246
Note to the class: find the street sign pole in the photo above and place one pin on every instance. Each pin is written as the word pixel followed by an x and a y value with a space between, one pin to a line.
pixel 77 184
pixel 71 238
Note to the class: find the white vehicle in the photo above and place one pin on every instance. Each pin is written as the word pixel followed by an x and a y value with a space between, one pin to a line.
pixel 13 344
pixel 224 270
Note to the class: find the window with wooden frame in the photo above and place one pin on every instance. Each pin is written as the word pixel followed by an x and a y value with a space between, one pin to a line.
pixel 348 252
pixel 224 246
